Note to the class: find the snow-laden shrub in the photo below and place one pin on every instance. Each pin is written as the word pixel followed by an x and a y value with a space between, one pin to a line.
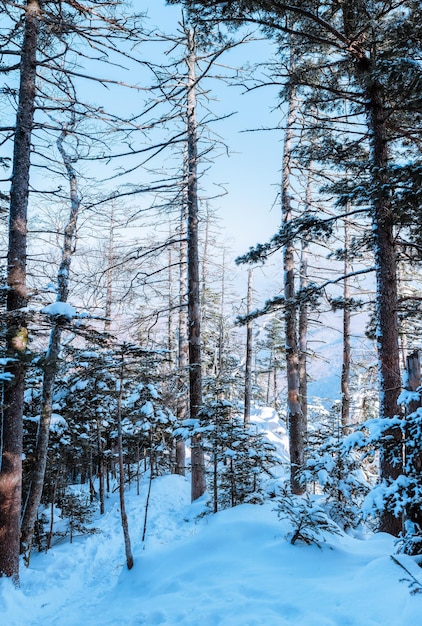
pixel 338 473
pixel 237 458
pixel 77 510
pixel 148 426
pixel 401 496
pixel 308 520
pixel 334 469
pixel 410 541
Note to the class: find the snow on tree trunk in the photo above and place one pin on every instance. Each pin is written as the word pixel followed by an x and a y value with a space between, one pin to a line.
pixel 413 456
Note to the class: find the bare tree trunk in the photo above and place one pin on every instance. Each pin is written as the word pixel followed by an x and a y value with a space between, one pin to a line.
pixel 198 485
pixel 275 385
pixel 109 275
pixel 170 341
pixel 215 479
pixel 303 345
pixel 294 410
pixel 387 299
pixel 304 314
pixel 51 361
pixel 270 366
pixel 144 531
pixel 52 507
pixel 403 326
pixel 183 344
pixel 204 266
pixel 345 371
pixel 413 458
pixel 100 453
pixel 413 370
pixel 138 469
pixel 123 515
pixel 249 352
pixel 221 323
pixel 17 333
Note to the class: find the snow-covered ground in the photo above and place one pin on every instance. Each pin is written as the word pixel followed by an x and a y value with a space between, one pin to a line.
pixel 233 568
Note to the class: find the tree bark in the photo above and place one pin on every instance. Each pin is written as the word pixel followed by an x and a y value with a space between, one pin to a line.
pixel 294 410
pixel 170 338
pixel 204 265
pixel 183 346
pixel 100 452
pixel 198 484
pixel 17 333
pixel 249 348
pixel 220 369
pixel 345 370
pixel 123 514
pixel 387 297
pixel 413 457
pixel 109 275
pixel 304 314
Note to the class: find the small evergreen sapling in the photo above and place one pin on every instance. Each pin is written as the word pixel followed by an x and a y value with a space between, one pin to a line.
pixel 148 426
pixel 308 520
pixel 339 475
pixel 76 511
pixel 238 458
pixel 402 496
pixel 336 471
pixel 409 488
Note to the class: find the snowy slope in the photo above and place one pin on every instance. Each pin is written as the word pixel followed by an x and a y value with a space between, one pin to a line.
pixel 233 568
